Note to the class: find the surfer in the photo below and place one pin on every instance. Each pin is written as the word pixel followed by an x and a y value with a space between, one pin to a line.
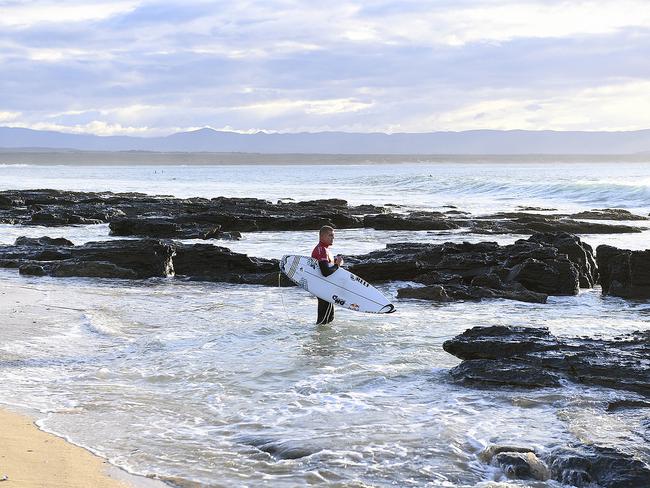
pixel 327 266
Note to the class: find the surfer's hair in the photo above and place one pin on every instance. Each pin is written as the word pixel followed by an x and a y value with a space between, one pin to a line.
pixel 325 229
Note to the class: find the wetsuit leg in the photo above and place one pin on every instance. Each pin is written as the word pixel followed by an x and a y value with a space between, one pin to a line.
pixel 325 312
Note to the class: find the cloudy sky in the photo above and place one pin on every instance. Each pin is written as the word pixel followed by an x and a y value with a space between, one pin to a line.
pixel 153 68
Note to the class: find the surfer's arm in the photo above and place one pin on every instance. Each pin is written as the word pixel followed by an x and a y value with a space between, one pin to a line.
pixel 326 269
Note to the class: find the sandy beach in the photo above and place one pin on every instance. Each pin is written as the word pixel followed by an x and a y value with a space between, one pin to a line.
pixel 30 457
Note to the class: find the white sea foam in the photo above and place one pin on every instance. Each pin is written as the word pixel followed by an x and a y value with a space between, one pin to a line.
pixel 195 380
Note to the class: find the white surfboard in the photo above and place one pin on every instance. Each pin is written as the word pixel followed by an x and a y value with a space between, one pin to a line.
pixel 341 287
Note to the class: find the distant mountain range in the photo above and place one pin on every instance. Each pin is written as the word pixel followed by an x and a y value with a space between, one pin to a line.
pixel 466 142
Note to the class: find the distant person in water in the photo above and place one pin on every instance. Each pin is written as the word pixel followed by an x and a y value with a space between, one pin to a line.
pixel 328 265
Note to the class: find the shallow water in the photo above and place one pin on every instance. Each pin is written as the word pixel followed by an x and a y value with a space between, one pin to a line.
pixel 234 385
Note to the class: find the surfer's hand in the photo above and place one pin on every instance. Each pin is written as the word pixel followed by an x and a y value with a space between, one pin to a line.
pixel 338 260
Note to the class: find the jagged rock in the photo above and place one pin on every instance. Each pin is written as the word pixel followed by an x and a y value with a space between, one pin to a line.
pixel 620 363
pixel 579 253
pixel 553 277
pixel 624 273
pixel 528 270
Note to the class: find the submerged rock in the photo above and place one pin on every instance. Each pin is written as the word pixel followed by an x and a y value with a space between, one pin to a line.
pixel 43 241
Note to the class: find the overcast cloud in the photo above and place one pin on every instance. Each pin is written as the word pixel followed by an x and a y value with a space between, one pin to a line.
pixel 153 68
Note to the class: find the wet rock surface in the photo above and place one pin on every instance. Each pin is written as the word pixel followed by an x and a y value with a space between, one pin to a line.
pixel 608 214
pixel 530 223
pixel 137 214
pixel 586 465
pixel 502 355
pixel 576 465
pixel 528 270
pixel 624 273
pixel 137 259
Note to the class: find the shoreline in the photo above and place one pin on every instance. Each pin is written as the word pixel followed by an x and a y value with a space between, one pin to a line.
pixel 34 458
pixel 151 158
pixel 31 457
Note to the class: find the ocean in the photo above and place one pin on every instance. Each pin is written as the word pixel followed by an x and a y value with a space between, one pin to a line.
pixel 235 385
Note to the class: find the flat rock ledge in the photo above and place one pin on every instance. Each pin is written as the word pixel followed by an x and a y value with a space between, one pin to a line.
pixel 534 358
pixel 163 216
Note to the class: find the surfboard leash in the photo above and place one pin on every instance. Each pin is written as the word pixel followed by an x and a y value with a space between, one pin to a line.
pixel 281 294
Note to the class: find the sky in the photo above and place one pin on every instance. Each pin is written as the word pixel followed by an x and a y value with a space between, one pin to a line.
pixel 151 68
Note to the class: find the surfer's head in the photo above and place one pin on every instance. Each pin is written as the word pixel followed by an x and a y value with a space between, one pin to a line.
pixel 326 235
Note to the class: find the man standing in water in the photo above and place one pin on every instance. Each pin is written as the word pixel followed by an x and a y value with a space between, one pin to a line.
pixel 327 266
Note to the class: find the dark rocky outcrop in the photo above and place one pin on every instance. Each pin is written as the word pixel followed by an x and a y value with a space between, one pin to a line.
pixel 528 270
pixel 502 355
pixel 137 259
pixel 579 253
pixel 624 273
pixel 137 214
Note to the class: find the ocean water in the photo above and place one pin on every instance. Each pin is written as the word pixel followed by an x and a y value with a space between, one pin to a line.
pixel 232 385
